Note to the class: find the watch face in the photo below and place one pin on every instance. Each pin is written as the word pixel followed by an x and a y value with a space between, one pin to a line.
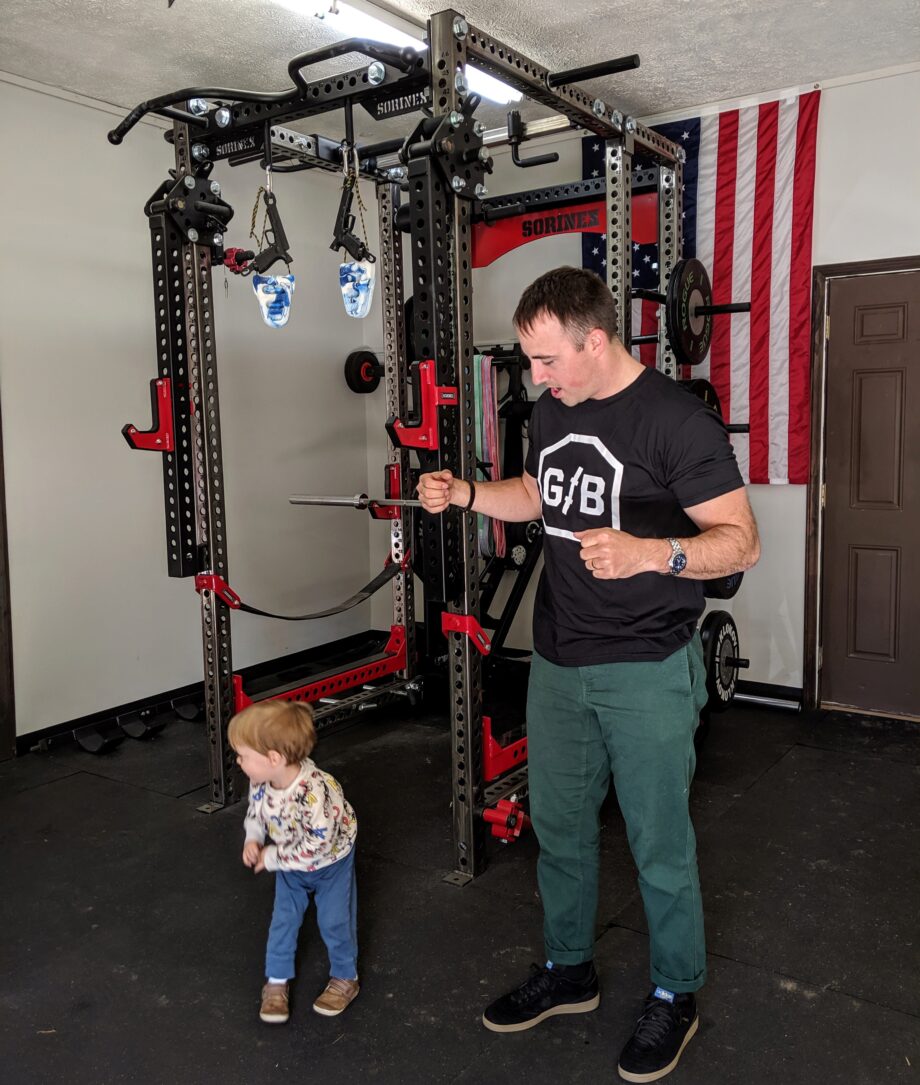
pixel 678 563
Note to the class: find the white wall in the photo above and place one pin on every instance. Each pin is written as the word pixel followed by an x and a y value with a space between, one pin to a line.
pixel 96 621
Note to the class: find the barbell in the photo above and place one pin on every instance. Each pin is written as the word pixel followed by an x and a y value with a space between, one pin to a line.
pixel 688 311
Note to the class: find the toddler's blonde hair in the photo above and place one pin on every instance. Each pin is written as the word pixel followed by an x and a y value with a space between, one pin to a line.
pixel 285 726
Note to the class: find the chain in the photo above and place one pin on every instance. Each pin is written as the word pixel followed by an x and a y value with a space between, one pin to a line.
pixel 258 238
pixel 351 181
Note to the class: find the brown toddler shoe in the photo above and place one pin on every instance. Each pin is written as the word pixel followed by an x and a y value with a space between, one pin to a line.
pixel 274 1009
pixel 336 997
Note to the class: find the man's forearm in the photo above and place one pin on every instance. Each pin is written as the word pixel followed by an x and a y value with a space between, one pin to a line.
pixel 719 551
pixel 510 500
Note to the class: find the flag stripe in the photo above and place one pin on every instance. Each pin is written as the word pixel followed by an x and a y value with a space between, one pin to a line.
pixel 778 423
pixel 739 327
pixel 761 266
pixel 800 289
pixel 723 255
pixel 706 206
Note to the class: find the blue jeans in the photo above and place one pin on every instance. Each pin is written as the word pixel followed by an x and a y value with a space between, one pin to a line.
pixel 634 723
pixel 336 910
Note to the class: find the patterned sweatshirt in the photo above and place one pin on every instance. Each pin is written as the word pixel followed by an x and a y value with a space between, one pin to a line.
pixel 310 824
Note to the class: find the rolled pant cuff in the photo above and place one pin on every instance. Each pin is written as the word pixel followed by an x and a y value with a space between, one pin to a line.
pixel 570 956
pixel 678 987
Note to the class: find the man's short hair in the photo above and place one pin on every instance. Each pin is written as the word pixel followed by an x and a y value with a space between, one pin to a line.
pixel 285 726
pixel 578 299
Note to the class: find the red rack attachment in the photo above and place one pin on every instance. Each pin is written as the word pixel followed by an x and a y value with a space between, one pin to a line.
pixel 431 396
pixel 496 758
pixel 507 819
pixel 220 587
pixel 163 437
pixel 394 660
pixel 466 623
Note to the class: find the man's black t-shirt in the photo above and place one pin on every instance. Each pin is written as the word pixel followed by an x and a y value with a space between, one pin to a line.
pixel 634 462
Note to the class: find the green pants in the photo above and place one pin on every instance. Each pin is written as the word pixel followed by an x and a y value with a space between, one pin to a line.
pixel 634 721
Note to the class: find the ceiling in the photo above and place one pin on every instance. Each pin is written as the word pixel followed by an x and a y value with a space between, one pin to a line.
pixel 692 51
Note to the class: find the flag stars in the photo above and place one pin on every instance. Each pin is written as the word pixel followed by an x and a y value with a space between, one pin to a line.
pixel 646 259
pixel 595 252
pixel 635 246
pixel 685 136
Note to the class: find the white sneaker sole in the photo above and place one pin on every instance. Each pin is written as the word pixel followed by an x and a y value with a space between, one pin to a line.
pixel 571 1007
pixel 656 1075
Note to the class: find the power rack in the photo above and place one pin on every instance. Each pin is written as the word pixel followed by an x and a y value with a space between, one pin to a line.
pixel 434 192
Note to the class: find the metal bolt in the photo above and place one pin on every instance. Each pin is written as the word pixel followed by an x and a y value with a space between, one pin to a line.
pixel 446 146
pixel 598 108
pixel 484 155
pixel 617 117
pixel 197 106
pixel 455 118
pixel 461 28
pixel 200 152
pixel 215 188
pixel 188 181
pixel 223 117
pixel 481 191
pixel 460 83
pixel 630 124
pixel 218 239
pixel 457 183
pixel 397 173
pixel 479 127
pixel 193 235
pixel 681 155
pixel 376 73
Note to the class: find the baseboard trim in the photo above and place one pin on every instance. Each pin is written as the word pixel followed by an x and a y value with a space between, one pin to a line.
pixel 310 660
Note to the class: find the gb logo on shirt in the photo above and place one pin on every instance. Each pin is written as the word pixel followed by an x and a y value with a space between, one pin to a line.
pixel 579 481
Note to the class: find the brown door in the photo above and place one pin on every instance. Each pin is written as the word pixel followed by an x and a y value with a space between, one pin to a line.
pixel 870 628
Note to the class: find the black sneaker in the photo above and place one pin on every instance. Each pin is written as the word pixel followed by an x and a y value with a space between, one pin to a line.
pixel 662 1032
pixel 547 992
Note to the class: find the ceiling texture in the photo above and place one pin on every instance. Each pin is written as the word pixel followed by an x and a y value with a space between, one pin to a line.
pixel 692 51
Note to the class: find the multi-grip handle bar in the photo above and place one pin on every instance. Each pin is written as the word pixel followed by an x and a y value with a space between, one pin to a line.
pixel 402 58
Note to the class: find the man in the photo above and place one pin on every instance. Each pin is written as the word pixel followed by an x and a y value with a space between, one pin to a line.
pixel 641 501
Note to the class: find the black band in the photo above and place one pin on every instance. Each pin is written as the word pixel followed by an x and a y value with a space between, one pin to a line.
pixel 468 507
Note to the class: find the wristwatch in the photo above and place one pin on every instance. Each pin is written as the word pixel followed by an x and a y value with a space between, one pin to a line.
pixel 677 562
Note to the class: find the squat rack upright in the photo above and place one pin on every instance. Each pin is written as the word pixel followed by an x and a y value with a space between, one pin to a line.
pixel 437 189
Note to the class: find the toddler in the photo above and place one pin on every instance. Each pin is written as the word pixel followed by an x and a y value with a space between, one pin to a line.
pixel 311 833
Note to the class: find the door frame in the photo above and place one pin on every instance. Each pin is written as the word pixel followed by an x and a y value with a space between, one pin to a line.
pixel 822 277
pixel 7 697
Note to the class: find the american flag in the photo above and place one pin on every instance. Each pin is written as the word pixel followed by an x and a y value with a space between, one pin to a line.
pixel 748 204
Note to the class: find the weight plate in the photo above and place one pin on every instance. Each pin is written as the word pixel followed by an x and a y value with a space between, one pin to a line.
pixel 703 390
pixel 688 333
pixel 362 371
pixel 721 648
pixel 723 587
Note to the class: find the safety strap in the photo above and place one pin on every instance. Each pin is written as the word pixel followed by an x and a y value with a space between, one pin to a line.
pixel 215 584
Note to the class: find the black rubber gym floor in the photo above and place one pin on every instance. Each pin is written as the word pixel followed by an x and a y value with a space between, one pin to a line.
pixel 133 937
